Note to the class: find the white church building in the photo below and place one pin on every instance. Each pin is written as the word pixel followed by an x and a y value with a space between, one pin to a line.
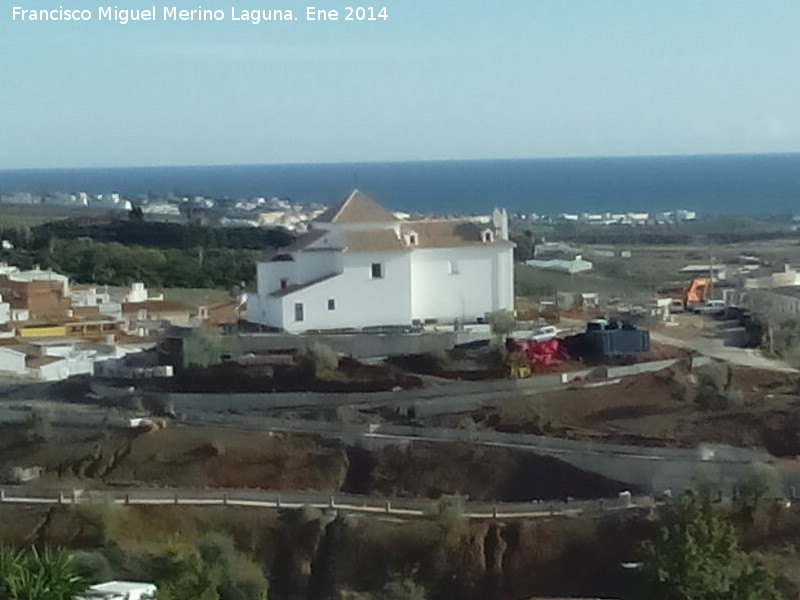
pixel 361 266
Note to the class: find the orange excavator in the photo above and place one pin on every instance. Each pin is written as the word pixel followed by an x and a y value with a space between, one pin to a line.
pixel 698 292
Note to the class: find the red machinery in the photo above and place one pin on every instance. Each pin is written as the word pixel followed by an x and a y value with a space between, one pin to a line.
pixel 547 353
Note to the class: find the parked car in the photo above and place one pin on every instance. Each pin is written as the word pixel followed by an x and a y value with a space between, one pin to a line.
pixel 711 307
pixel 544 334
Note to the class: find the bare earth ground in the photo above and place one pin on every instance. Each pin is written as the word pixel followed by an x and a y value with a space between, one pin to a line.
pixel 660 409
pixel 206 457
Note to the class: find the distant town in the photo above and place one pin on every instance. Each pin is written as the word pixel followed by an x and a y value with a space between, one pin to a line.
pixel 283 212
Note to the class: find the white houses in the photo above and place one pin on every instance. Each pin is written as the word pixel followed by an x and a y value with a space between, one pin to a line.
pixel 361 266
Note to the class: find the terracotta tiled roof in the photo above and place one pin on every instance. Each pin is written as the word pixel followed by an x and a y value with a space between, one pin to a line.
pixel 378 240
pixel 156 306
pixel 448 233
pixel 357 208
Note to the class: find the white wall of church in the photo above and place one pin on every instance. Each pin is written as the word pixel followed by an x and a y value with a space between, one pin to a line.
pixel 358 298
pixel 457 283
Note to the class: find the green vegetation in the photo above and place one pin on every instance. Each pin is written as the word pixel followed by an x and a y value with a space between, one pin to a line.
pixel 502 323
pixel 48 574
pixel 158 254
pixel 93 566
pixel 211 570
pixel 209 347
pixel 396 589
pixel 781 336
pixel 696 555
pixel 318 360
pixel 723 229
pixel 39 426
pixel 448 513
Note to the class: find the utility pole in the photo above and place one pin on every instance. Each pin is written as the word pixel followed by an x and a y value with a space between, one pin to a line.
pixel 710 275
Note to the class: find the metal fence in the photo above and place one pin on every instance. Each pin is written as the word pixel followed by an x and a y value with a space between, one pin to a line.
pixel 399 507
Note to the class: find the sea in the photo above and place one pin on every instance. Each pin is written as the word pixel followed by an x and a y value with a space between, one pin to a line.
pixel 739 184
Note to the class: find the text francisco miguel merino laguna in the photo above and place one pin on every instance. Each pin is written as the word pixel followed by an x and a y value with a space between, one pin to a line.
pixel 124 16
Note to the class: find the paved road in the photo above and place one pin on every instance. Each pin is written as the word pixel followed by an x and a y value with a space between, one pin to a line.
pixel 715 348
pixel 392 507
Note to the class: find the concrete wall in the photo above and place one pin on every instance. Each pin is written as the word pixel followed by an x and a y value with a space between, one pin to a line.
pixel 458 396
pixel 358 345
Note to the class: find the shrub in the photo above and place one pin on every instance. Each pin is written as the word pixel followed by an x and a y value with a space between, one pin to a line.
pixel 94 566
pixel 448 513
pixel 502 323
pixel 40 426
pixel 319 359
pixel 394 589
pixel 709 396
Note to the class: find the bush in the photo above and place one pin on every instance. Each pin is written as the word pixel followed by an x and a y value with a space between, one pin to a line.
pixel 708 396
pixel 40 426
pixel 94 566
pixel 95 518
pixel 502 323
pixel 214 570
pixel 395 589
pixel 763 481
pixel 319 359
pixel 448 513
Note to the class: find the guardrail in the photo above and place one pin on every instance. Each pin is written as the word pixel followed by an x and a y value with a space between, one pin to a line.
pixel 397 507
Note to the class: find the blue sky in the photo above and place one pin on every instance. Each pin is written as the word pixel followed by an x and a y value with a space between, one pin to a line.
pixel 441 79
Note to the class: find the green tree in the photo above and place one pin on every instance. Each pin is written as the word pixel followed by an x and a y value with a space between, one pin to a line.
pixel 213 570
pixel 502 323
pixel 239 578
pixel 696 555
pixel 184 575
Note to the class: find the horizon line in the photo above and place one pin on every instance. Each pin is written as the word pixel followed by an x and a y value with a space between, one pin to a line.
pixel 403 161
